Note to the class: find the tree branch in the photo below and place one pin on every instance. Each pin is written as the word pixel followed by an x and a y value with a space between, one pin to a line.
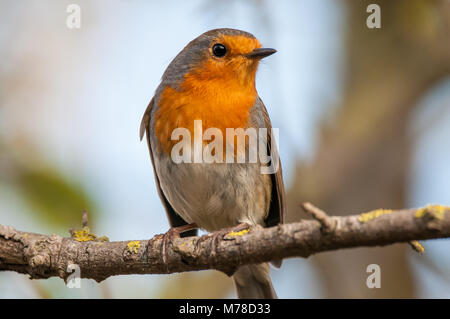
pixel 43 256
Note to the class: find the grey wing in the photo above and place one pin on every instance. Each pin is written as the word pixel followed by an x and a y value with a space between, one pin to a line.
pixel 174 219
pixel 277 210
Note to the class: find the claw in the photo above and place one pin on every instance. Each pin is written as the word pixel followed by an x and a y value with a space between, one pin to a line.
pixel 219 234
pixel 173 233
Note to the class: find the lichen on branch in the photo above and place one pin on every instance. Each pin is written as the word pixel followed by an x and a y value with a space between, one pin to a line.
pixel 42 256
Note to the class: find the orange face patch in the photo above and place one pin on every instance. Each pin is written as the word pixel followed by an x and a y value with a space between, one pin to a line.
pixel 220 92
pixel 233 67
pixel 238 45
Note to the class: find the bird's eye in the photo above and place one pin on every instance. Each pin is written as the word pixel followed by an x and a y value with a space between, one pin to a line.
pixel 219 50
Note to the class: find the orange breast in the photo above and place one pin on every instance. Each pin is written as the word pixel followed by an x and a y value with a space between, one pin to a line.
pixel 219 101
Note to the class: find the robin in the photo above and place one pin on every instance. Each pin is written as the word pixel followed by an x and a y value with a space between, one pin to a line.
pixel 213 80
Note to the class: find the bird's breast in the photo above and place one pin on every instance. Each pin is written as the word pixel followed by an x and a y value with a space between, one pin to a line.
pixel 209 101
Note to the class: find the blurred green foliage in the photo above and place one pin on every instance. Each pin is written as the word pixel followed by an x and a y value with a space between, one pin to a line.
pixel 54 197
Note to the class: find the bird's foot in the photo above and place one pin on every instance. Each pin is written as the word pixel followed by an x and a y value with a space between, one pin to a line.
pixel 170 235
pixel 233 231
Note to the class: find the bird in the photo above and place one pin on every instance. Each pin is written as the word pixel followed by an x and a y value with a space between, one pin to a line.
pixel 212 80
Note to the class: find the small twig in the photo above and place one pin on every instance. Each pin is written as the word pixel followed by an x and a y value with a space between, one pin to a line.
pixel 84 223
pixel 328 224
pixel 84 219
pixel 85 234
pixel 417 246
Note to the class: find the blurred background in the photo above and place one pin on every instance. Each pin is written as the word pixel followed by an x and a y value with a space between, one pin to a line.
pixel 364 119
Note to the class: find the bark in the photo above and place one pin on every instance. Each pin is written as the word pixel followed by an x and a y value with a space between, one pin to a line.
pixel 43 256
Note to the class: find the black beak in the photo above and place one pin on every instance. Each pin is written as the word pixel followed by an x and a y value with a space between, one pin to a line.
pixel 260 53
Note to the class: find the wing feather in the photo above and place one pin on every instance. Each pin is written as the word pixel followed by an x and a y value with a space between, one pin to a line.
pixel 277 210
pixel 175 220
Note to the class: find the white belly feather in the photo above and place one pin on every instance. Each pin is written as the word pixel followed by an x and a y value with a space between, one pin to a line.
pixel 215 195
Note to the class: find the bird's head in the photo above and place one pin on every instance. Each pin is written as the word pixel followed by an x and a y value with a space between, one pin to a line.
pixel 225 55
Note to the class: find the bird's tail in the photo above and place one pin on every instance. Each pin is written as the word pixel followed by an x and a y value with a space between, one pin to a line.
pixel 253 282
